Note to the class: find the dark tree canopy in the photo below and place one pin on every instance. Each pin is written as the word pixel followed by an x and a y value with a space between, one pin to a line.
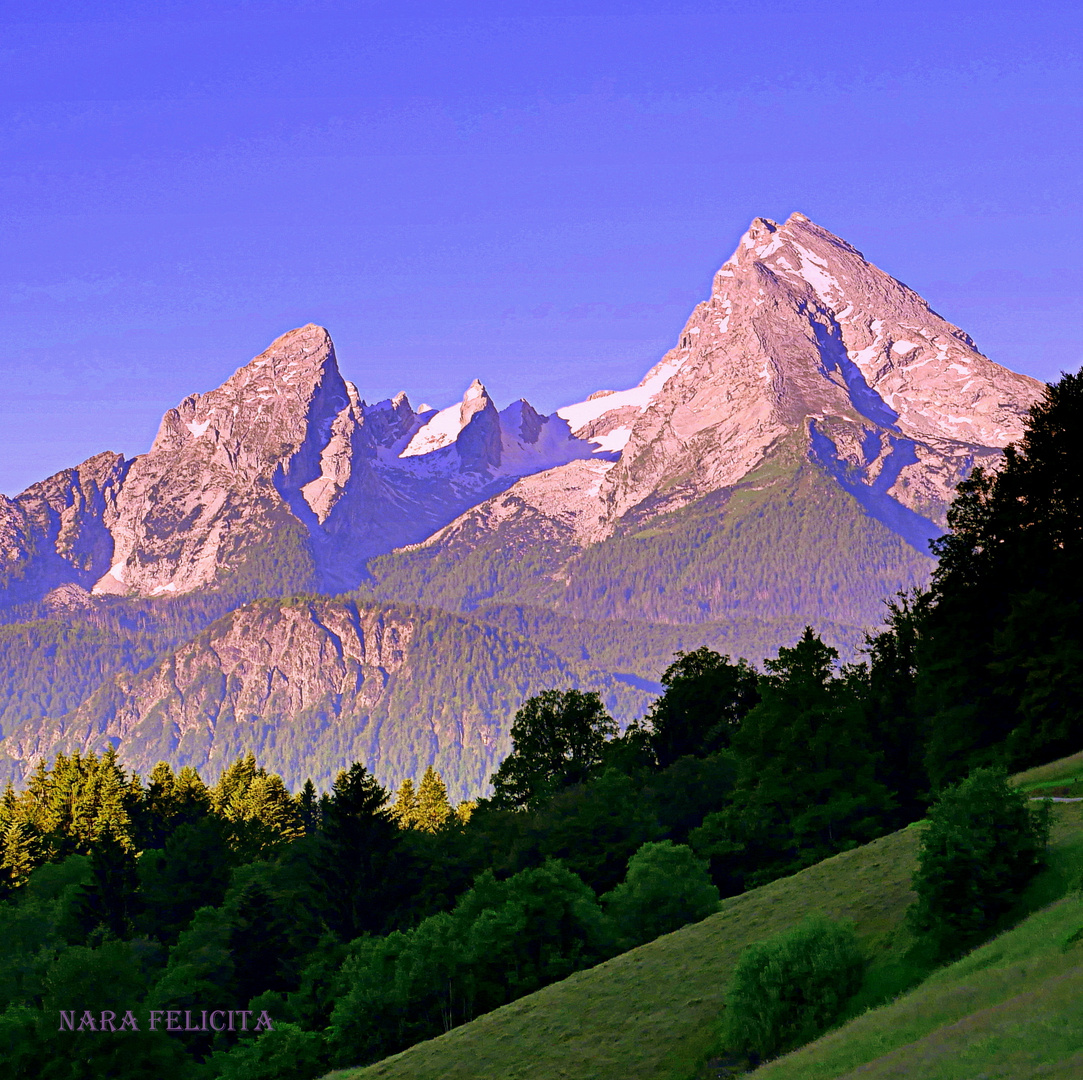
pixel 706 699
pixel 999 654
pixel 558 739
pixel 806 786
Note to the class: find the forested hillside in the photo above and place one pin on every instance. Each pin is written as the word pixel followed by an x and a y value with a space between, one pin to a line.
pixel 762 559
pixel 304 684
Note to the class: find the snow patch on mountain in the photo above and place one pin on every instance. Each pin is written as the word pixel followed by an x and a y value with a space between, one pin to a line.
pixel 442 430
pixel 606 418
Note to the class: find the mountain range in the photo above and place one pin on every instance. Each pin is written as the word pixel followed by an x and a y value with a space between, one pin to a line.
pixel 293 571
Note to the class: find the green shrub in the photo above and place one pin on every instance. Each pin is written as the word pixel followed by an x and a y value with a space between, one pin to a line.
pixel 286 1052
pixel 788 989
pixel 666 887
pixel 981 846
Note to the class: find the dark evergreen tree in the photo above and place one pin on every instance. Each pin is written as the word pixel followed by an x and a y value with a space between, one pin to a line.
pixel 192 871
pixel 309 809
pixel 357 855
pixel 887 689
pixel 109 901
pixel 264 950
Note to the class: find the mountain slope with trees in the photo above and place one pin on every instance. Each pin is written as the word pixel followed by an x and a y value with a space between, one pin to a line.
pixel 307 683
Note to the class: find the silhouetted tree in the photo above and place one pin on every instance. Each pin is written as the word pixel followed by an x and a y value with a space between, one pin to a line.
pixel 705 700
pixel 356 854
pixel 558 739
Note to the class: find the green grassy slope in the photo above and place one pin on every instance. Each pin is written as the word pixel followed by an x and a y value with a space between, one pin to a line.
pixel 1066 774
pixel 654 1012
pixel 1012 1009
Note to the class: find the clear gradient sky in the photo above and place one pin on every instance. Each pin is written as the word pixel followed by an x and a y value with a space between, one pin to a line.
pixel 460 189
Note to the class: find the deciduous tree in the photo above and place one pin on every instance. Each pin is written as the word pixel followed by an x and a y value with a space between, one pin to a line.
pixel 557 740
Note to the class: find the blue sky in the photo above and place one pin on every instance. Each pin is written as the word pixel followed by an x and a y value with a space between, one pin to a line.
pixel 460 190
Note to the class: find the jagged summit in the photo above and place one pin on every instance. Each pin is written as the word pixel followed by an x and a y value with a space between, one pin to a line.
pixel 277 389
pixel 285 464
pixel 802 344
pixel 801 329
pixel 445 427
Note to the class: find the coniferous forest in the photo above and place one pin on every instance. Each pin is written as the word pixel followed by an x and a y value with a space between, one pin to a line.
pixel 360 921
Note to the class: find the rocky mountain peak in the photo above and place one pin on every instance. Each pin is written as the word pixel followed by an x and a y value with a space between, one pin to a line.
pixel 475 400
pixel 276 435
pixel 275 392
pixel 801 340
pixel 478 442
pixel 391 420
pixel 800 330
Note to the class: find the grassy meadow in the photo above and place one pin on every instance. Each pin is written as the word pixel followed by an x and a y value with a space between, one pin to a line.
pixel 654 1012
pixel 1010 1010
pixel 1062 778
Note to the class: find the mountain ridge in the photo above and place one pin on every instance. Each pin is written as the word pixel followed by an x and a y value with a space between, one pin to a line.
pixel 786 463
pixel 307 683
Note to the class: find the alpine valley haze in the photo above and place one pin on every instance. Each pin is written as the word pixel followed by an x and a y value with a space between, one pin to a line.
pixel 292 571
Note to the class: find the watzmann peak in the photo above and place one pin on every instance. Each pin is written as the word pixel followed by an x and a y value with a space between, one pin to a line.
pixel 785 463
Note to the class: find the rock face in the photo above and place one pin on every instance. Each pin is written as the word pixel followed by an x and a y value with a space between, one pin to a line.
pixel 226 466
pixel 310 686
pixel 801 331
pixel 58 531
pixel 789 460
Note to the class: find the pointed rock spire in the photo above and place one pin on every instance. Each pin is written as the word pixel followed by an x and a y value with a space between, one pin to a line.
pixel 478 440
pixel 225 463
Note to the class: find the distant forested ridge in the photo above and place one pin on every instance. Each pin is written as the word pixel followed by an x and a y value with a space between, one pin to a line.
pixel 305 684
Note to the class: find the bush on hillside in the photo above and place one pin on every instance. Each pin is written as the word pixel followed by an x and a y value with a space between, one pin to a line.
pixel 287 1052
pixel 666 887
pixel 787 990
pixel 981 846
